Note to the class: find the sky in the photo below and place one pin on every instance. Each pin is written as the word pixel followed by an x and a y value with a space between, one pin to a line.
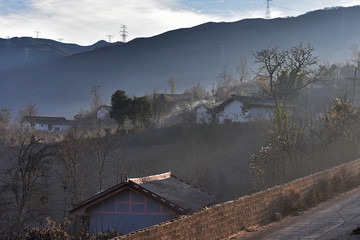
pixel 87 21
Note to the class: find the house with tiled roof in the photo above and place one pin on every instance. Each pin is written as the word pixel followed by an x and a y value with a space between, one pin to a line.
pixel 103 112
pixel 236 109
pixel 142 202
pixel 49 124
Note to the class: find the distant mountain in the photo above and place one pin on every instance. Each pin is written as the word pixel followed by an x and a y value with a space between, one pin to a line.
pixel 189 55
pixel 26 51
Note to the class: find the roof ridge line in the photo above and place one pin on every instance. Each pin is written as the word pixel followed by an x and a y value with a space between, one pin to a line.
pixel 192 185
pixel 151 178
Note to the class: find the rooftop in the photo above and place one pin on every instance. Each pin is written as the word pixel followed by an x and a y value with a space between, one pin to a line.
pixel 177 194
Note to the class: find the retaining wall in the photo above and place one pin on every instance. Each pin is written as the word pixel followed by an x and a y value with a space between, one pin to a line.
pixel 223 220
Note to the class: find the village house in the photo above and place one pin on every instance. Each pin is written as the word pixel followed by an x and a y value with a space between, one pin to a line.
pixel 103 112
pixel 142 202
pixel 236 109
pixel 48 124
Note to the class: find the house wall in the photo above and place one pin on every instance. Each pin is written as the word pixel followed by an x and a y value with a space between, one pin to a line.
pixel 202 116
pixel 52 128
pixel 127 211
pixel 233 112
pixel 102 113
pixel 60 127
pixel 224 220
pixel 41 127
pixel 258 113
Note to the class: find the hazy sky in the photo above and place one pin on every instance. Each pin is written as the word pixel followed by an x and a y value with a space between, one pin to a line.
pixel 87 21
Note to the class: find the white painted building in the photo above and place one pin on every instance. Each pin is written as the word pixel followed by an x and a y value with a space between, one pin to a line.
pixel 236 109
pixel 103 112
pixel 49 124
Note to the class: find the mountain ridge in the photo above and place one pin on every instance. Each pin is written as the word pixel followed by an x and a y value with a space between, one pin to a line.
pixel 20 52
pixel 189 55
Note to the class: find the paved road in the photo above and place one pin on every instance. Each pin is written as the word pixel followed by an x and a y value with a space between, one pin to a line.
pixel 333 220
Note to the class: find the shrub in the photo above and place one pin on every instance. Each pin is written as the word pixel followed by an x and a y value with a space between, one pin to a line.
pixel 58 231
pixel 293 202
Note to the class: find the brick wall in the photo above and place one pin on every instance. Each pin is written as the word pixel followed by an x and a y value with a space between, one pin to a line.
pixel 223 220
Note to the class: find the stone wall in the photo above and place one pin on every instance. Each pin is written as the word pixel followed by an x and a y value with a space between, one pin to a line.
pixel 223 220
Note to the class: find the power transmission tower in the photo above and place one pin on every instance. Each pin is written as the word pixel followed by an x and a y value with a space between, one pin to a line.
pixel 268 13
pixel 109 36
pixel 37 34
pixel 123 33
pixel 60 39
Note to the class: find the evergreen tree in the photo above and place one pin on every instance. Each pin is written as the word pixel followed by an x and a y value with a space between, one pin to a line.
pixel 120 104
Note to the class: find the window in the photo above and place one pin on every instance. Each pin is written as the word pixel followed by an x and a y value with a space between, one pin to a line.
pixel 129 202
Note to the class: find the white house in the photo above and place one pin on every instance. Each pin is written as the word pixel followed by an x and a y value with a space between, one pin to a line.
pixel 103 112
pixel 236 109
pixel 50 124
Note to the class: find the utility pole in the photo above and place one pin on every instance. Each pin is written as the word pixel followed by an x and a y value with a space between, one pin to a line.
pixel 222 55
pixel 353 100
pixel 37 34
pixel 109 36
pixel 7 42
pixel 123 33
pixel 268 13
pixel 26 54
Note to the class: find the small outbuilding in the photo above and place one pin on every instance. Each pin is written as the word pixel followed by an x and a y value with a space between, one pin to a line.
pixel 142 202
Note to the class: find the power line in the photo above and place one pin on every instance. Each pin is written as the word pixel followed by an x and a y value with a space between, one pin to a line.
pixel 286 8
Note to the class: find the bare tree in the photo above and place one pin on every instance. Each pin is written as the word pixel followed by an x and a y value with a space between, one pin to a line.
pixel 278 161
pixel 72 154
pixel 197 92
pixel 355 58
pixel 242 69
pixel 121 170
pixel 102 146
pixel 355 54
pixel 188 111
pixel 5 117
pixel 29 110
pixel 225 85
pixel 24 184
pixel 171 83
pixel 283 73
pixel 96 100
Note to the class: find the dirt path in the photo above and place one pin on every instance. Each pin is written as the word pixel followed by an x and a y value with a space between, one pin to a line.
pixel 334 219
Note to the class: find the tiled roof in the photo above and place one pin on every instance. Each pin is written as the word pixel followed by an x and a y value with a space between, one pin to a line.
pixel 251 101
pixel 98 197
pixel 106 107
pixel 180 192
pixel 166 189
pixel 46 120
